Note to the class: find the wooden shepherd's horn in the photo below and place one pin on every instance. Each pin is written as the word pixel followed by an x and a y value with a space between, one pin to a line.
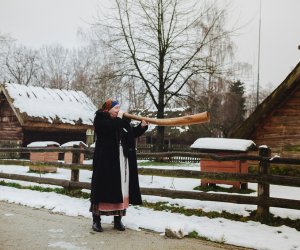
pixel 177 121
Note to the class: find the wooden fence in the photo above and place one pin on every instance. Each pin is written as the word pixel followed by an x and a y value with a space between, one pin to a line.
pixel 144 153
pixel 262 177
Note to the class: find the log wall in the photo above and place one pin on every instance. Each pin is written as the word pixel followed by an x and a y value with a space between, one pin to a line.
pixel 10 128
pixel 280 130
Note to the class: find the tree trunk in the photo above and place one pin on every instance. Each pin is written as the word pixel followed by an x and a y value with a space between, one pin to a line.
pixel 160 138
pixel 160 130
pixel 161 92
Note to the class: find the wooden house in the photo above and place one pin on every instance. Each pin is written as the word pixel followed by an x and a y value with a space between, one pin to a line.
pixel 29 114
pixel 276 121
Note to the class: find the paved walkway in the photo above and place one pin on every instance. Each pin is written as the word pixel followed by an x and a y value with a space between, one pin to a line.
pixel 28 228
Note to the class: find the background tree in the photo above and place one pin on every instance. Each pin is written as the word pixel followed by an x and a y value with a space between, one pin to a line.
pixel 234 107
pixel 5 41
pixel 56 67
pixel 103 81
pixel 20 64
pixel 163 44
pixel 208 95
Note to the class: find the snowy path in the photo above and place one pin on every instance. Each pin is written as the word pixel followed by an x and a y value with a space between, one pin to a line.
pixel 28 228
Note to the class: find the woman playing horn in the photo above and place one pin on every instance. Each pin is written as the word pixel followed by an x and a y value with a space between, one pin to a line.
pixel 115 182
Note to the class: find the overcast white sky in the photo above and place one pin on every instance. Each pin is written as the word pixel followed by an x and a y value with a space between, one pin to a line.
pixel 38 22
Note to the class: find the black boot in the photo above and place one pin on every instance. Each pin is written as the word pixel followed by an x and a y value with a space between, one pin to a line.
pixel 97 223
pixel 118 223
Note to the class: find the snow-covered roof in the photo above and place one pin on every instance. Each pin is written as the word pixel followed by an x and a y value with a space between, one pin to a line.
pixel 73 143
pixel 42 144
pixel 223 144
pixel 50 105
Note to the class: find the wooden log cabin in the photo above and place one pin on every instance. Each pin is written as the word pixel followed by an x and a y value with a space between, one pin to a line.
pixel 29 114
pixel 276 121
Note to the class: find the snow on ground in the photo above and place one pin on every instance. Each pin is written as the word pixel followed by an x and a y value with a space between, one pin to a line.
pixel 247 234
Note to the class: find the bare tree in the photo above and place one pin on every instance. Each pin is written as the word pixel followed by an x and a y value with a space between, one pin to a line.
pixel 20 64
pixel 84 65
pixel 251 102
pixel 56 67
pixel 97 66
pixel 5 43
pixel 163 44
pixel 208 94
pixel 107 85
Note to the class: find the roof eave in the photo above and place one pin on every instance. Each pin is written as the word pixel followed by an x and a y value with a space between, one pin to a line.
pixel 10 102
pixel 60 126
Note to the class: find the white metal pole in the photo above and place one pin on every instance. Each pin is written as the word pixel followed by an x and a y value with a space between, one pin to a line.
pixel 258 59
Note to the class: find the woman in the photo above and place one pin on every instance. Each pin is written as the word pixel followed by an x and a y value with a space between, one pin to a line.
pixel 115 182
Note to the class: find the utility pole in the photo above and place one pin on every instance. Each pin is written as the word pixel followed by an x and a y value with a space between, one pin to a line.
pixel 258 63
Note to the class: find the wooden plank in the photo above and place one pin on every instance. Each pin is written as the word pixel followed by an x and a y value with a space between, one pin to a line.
pixel 51 181
pixel 271 179
pixel 238 199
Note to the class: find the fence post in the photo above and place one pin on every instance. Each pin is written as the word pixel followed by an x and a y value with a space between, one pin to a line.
pixel 263 189
pixel 75 160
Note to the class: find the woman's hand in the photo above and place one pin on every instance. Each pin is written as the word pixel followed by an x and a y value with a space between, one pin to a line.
pixel 144 123
pixel 120 114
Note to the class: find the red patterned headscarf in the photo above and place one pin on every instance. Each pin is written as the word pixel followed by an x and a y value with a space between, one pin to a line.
pixel 108 104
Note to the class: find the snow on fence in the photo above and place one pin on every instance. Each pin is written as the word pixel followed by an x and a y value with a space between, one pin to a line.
pixel 263 178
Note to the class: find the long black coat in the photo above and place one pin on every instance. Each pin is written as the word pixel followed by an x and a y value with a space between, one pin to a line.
pixel 106 178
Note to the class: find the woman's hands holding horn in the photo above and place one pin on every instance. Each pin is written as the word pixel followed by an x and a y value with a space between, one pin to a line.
pixel 144 123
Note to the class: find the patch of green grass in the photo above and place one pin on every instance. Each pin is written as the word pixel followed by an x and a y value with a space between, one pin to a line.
pixel 72 193
pixel 289 170
pixel 293 148
pixel 195 235
pixel 271 221
pixel 276 221
pixel 279 169
pixel 10 184
pixel 223 189
pixel 164 206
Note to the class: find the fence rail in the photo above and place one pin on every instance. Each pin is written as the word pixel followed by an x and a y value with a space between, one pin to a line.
pixel 263 178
